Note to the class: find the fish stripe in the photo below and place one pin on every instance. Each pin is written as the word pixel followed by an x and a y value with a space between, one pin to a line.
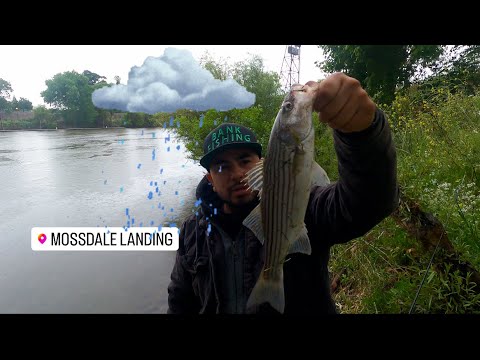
pixel 277 204
pixel 270 169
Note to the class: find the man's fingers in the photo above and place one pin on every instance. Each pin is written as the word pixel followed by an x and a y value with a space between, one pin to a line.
pixel 327 90
pixel 363 117
pixel 342 103
pixel 345 115
pixel 339 107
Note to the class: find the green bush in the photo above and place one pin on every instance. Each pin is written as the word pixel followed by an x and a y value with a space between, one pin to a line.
pixel 436 132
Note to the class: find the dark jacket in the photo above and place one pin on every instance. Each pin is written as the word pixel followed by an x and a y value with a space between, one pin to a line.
pixel 365 194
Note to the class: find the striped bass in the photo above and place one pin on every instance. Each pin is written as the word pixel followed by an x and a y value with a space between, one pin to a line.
pixel 284 178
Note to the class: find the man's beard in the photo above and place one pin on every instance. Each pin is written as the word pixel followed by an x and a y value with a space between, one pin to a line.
pixel 245 208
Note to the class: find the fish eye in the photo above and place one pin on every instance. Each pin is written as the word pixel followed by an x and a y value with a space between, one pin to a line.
pixel 288 106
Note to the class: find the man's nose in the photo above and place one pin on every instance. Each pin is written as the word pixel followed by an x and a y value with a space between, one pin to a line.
pixel 237 173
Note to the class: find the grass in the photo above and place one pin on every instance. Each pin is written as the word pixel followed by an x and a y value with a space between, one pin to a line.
pixel 438 150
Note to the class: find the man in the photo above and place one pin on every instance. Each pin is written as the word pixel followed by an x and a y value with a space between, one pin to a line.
pixel 219 260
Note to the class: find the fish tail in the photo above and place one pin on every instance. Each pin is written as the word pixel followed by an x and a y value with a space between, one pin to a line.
pixel 268 290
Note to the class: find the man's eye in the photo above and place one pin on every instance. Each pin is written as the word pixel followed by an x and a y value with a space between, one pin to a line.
pixel 221 168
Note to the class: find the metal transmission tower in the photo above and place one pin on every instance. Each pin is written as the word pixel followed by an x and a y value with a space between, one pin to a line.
pixel 290 72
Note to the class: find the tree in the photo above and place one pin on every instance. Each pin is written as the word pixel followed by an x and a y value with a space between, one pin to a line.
pixel 4 104
pixel 72 93
pixel 381 69
pixel 220 69
pixel 459 69
pixel 252 75
pixel 43 115
pixel 117 80
pixel 93 78
pixel 264 84
pixel 14 104
pixel 24 104
pixel 5 89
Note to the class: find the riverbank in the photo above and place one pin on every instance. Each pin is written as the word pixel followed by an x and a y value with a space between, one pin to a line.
pixel 10 130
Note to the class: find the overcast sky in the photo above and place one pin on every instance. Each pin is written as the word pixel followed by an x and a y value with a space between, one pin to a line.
pixel 26 67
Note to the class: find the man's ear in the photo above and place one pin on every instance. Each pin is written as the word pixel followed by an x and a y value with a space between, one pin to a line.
pixel 209 177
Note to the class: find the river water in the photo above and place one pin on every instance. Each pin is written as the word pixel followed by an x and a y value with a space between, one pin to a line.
pixel 85 178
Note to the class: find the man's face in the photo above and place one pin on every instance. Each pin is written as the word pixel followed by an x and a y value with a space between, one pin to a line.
pixel 227 169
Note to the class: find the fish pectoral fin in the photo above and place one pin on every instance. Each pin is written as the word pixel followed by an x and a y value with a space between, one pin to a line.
pixel 268 291
pixel 319 175
pixel 254 177
pixel 302 244
pixel 254 222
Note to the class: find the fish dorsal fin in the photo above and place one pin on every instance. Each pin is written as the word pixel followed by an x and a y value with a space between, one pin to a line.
pixel 302 244
pixel 254 178
pixel 254 222
pixel 319 175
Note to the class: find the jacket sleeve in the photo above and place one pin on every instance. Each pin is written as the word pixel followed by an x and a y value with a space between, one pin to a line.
pixel 367 189
pixel 181 297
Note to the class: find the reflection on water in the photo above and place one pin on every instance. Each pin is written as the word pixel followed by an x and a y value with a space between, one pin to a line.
pixel 89 178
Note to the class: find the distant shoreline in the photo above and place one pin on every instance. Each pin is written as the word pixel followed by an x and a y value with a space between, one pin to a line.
pixel 10 130
pixel 99 128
